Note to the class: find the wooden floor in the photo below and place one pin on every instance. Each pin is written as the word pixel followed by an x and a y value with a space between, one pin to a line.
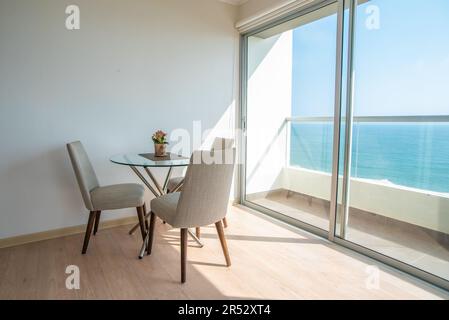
pixel 270 261
pixel 417 246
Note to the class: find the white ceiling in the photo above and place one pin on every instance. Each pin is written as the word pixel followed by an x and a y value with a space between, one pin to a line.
pixel 234 2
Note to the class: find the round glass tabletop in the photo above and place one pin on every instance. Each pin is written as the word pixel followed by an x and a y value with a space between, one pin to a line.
pixel 149 160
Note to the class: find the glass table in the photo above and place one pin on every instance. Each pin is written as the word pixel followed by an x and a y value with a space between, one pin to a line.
pixel 148 161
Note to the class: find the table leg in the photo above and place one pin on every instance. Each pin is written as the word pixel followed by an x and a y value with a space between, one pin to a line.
pixel 150 187
pixel 145 181
pixel 167 179
pixel 133 229
pixel 194 237
pixel 144 247
pixel 176 189
pixel 158 187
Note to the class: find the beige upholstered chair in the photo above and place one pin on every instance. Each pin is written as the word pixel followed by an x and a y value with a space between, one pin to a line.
pixel 202 201
pixel 97 199
pixel 175 184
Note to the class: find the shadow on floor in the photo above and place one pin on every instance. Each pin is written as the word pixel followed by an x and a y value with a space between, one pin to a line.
pixel 265 239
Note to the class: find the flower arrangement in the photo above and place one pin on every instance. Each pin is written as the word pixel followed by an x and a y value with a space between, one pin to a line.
pixel 160 137
pixel 160 143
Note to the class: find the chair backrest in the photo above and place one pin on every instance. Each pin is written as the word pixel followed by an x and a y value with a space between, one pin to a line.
pixel 85 174
pixel 222 144
pixel 205 194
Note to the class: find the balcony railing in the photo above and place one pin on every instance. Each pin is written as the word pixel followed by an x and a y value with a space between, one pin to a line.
pixel 379 119
pixel 411 200
pixel 437 119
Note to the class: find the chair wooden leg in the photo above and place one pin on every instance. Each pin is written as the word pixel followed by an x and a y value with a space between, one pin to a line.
pixel 225 222
pixel 224 245
pixel 141 216
pixel 198 232
pixel 90 225
pixel 183 254
pixel 97 222
pixel 145 215
pixel 151 231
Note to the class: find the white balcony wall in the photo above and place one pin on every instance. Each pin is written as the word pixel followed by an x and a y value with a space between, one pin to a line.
pixel 418 207
pixel 269 103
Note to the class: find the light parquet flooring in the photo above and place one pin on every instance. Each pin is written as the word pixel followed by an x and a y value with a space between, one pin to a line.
pixel 270 261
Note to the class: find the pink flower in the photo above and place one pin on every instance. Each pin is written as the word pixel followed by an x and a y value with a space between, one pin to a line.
pixel 160 137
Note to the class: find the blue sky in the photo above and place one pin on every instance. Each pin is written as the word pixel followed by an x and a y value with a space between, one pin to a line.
pixel 402 68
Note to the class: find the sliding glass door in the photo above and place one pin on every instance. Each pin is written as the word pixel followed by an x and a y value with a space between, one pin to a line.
pixel 345 111
pixel 397 177
pixel 290 112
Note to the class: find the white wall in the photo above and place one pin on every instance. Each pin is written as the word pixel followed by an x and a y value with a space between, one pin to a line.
pixel 134 67
pixel 269 104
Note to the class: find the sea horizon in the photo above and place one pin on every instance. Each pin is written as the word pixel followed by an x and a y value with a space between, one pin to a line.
pixel 413 155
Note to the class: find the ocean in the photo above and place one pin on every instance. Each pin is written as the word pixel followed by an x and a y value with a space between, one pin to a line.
pixel 411 154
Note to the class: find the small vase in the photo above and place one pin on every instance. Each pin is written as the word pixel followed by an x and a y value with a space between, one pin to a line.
pixel 160 150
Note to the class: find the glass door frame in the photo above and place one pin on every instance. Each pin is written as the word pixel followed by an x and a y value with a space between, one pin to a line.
pixel 316 5
pixel 342 62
